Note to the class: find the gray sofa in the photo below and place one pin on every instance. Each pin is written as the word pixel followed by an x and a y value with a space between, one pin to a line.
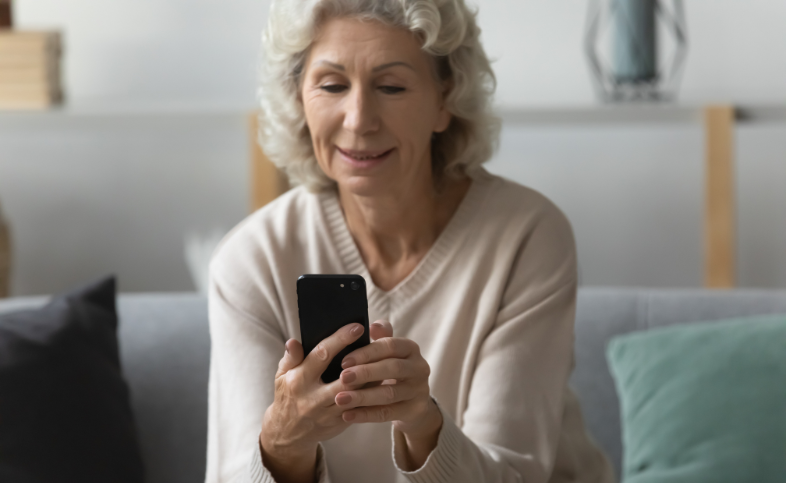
pixel 165 348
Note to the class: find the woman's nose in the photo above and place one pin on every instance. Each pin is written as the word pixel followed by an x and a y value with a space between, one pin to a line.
pixel 361 116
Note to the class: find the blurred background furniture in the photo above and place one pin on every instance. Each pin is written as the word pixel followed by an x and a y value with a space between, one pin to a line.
pixel 30 69
pixel 29 65
pixel 267 181
pixel 638 68
pixel 165 350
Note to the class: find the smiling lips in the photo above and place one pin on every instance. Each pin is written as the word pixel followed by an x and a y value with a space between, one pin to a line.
pixel 364 155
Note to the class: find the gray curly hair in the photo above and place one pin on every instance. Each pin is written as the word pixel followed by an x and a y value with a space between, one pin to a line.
pixel 449 34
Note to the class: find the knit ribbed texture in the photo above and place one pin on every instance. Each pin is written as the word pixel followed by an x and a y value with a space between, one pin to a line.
pixel 257 471
pixel 442 463
pixel 259 474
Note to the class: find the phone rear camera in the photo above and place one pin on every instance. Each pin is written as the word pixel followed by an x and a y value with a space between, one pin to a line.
pixel 354 285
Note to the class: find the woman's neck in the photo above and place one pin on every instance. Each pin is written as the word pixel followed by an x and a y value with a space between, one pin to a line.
pixel 395 231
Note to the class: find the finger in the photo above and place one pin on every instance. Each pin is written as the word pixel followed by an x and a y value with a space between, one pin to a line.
pixel 335 387
pixel 389 347
pixel 380 329
pixel 293 357
pixel 376 396
pixel 338 386
pixel 326 393
pixel 379 414
pixel 398 369
pixel 319 358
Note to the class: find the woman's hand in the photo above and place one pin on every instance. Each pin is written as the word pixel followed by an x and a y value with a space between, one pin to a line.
pixel 390 379
pixel 303 412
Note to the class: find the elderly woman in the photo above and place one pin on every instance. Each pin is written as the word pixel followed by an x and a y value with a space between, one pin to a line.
pixel 380 111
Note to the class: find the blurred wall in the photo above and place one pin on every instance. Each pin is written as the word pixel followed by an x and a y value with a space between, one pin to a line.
pixel 94 193
pixel 204 51
pixel 153 143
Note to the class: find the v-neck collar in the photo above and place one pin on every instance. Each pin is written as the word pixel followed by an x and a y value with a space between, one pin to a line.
pixel 352 261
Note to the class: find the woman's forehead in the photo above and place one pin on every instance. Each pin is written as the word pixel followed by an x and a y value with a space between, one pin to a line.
pixel 348 43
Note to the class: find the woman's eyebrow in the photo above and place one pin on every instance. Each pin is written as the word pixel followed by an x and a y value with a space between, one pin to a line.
pixel 330 64
pixel 391 64
pixel 375 69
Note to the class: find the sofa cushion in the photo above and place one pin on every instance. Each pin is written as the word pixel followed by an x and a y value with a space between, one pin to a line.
pixel 703 402
pixel 64 406
pixel 165 351
pixel 605 312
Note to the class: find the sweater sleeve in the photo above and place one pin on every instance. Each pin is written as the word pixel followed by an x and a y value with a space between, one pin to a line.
pixel 512 422
pixel 247 343
pixel 259 474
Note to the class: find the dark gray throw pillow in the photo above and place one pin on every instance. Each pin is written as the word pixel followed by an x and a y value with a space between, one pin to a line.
pixel 65 414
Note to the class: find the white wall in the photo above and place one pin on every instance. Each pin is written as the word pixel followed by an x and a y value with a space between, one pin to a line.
pixel 634 195
pixel 93 193
pixel 205 51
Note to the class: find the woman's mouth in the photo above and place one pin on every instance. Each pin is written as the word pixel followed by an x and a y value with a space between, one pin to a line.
pixel 364 158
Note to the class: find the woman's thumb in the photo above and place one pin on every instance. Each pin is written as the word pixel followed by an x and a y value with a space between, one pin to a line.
pixel 292 358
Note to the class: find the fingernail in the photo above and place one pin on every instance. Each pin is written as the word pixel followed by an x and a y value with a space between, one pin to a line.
pixel 356 330
pixel 348 362
pixel 349 416
pixel 343 398
pixel 347 377
pixel 378 324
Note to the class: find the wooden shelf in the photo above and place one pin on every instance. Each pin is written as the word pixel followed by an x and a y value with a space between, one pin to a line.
pixel 92 110
pixel 635 113
pixel 613 114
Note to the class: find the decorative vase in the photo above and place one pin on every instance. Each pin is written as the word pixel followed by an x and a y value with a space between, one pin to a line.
pixel 634 42
pixel 635 70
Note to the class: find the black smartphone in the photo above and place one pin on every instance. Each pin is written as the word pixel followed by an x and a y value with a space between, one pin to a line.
pixel 325 304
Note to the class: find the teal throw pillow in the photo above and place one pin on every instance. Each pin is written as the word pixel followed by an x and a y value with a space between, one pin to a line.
pixel 703 402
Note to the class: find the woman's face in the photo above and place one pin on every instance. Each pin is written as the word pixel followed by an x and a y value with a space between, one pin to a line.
pixel 371 103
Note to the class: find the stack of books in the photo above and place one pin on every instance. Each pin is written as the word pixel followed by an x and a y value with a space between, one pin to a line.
pixel 29 69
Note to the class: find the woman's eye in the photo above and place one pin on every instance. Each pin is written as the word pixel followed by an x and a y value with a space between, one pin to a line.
pixel 333 88
pixel 391 89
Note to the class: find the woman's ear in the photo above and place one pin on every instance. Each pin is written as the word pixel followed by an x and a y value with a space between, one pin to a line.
pixel 444 116
pixel 443 119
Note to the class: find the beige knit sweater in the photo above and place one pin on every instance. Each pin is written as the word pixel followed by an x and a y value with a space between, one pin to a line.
pixel 491 306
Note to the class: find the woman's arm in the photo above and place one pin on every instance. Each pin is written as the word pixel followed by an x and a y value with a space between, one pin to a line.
pixel 247 345
pixel 303 412
pixel 512 425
